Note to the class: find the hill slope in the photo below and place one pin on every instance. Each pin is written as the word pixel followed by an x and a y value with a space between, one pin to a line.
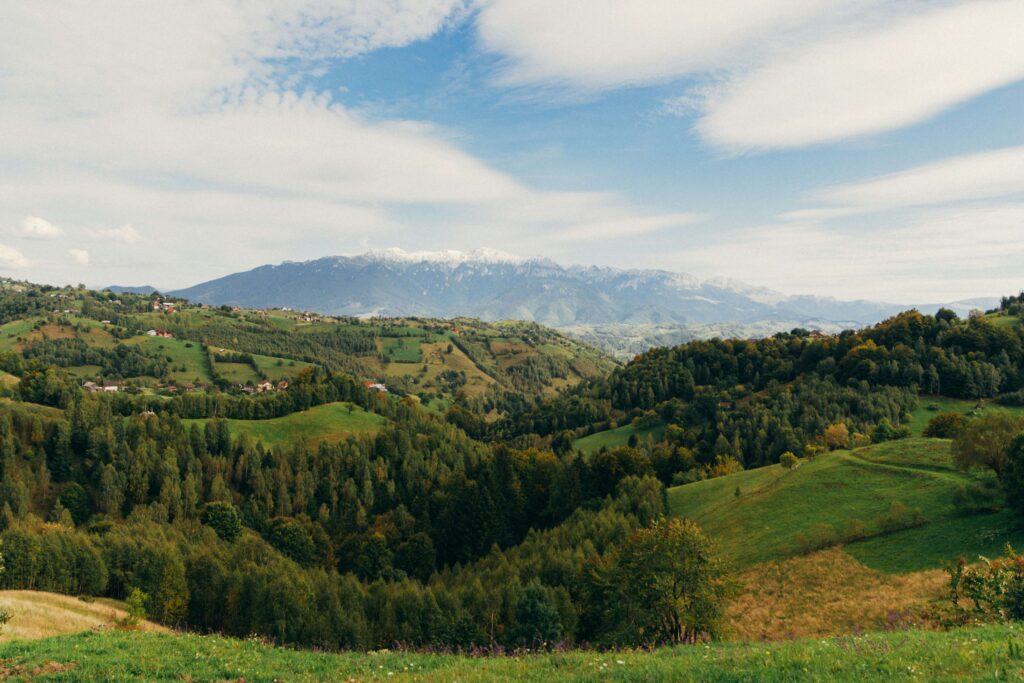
pixel 36 614
pixel 842 489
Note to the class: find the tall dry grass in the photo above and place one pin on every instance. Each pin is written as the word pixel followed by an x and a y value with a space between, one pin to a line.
pixel 828 593
pixel 36 614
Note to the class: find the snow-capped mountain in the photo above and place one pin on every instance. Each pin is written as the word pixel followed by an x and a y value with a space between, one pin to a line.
pixel 493 285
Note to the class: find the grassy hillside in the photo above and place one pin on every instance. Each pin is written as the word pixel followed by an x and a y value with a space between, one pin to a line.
pixel 614 438
pixel 187 359
pixel 979 654
pixel 842 488
pixel 42 615
pixel 328 423
pixel 930 406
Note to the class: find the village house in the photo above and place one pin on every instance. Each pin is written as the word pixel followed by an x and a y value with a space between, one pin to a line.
pixel 375 386
pixel 264 386
pixel 282 385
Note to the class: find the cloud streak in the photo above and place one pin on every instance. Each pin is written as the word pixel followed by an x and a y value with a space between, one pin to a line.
pixel 767 75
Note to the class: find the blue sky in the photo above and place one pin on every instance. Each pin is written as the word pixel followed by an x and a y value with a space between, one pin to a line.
pixel 857 149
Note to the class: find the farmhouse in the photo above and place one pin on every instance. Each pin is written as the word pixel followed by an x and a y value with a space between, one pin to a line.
pixel 264 386
pixel 376 386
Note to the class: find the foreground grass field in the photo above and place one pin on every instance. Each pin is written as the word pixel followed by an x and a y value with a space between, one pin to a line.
pixel 977 654
pixel 328 423
pixel 755 515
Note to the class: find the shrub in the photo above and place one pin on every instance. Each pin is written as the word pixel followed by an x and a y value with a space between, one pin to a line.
pixel 899 517
pixel 818 537
pixel 789 461
pixel 945 426
pixel 992 588
pixel 135 606
pixel 885 431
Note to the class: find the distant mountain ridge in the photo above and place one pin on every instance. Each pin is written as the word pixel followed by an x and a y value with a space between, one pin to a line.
pixel 492 285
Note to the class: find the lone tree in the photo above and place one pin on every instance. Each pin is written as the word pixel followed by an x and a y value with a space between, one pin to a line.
pixel 984 440
pixel 664 585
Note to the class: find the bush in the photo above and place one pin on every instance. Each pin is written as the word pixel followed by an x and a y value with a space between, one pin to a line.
pixel 789 461
pixel 885 431
pixel 900 517
pixel 945 426
pixel 818 537
pixel 135 606
pixel 991 588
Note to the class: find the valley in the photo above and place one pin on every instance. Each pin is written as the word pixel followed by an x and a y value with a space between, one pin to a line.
pixel 308 478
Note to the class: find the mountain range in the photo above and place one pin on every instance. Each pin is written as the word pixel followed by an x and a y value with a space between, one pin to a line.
pixel 595 301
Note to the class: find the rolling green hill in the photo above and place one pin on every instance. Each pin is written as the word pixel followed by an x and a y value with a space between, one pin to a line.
pixel 842 489
pixel 979 654
pixel 328 423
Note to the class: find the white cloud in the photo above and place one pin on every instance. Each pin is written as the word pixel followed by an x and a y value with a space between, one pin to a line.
pixel 79 256
pixel 126 233
pixel 11 257
pixel 36 228
pixel 983 175
pixel 192 119
pixel 877 76
pixel 600 44
pixel 768 75
pixel 926 256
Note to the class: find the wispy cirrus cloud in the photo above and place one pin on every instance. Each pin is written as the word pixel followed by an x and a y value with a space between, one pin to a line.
pixel 981 175
pixel 768 75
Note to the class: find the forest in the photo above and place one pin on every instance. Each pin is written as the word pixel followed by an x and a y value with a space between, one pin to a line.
pixel 469 527
pixel 753 400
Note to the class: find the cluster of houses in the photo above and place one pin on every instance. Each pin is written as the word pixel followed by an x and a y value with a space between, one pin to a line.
pixel 167 307
pixel 375 386
pixel 159 333
pixel 263 387
pixel 105 385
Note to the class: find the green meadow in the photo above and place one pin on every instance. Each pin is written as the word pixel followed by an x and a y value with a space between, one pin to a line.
pixel 755 515
pixel 328 423
pixel 614 438
pixel 989 653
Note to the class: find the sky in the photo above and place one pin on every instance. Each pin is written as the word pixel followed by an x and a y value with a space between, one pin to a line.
pixel 851 148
